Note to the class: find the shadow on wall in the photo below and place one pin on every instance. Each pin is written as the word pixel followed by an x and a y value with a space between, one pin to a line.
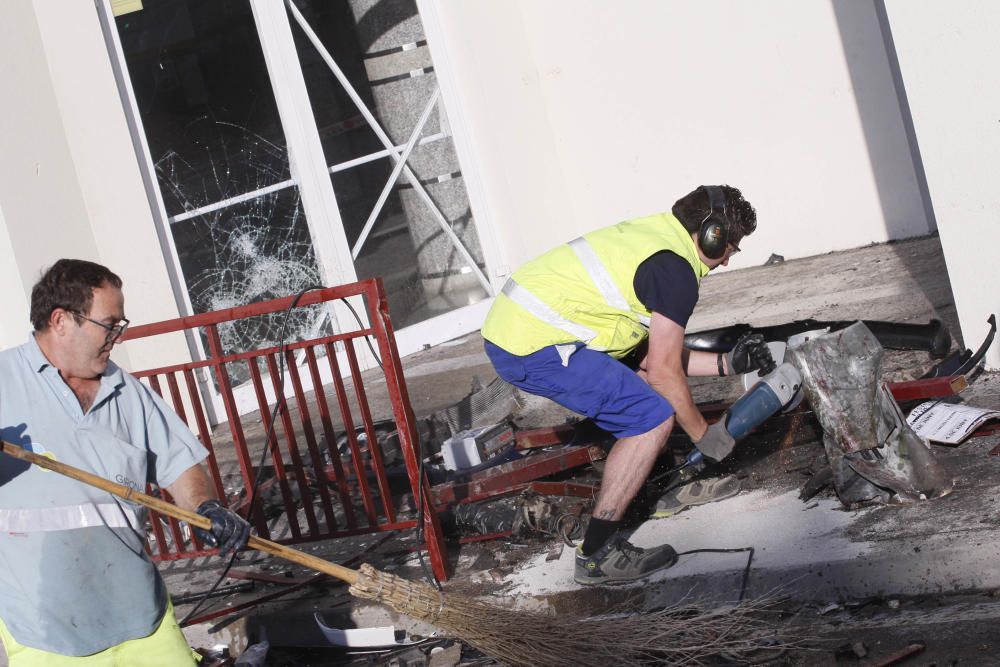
pixel 892 147
pixel 926 266
pixel 885 117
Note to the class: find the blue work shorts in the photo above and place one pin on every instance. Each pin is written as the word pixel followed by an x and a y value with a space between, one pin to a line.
pixel 591 384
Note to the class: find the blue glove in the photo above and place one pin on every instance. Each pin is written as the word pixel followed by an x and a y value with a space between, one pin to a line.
pixel 229 532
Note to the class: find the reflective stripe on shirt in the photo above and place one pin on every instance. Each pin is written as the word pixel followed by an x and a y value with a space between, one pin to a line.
pixel 44 519
pixel 542 311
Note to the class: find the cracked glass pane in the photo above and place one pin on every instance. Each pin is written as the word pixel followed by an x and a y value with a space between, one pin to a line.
pixel 210 119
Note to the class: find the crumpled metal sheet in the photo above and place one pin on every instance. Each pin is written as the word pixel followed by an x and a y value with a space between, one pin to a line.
pixel 871 448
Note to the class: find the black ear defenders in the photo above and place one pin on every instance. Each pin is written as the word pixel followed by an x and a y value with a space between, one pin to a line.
pixel 713 235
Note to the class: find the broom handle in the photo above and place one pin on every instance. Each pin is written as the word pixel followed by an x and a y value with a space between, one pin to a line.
pixel 345 574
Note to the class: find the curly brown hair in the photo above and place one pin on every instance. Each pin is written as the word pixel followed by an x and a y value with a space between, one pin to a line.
pixel 693 207
pixel 68 284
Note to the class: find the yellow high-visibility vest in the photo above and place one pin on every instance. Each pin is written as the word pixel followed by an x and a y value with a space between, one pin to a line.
pixel 582 290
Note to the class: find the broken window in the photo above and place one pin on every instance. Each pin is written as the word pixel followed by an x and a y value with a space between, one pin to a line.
pixel 235 216
pixel 237 185
pixel 211 122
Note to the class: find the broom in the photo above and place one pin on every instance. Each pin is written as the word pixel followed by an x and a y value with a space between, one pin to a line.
pixel 678 635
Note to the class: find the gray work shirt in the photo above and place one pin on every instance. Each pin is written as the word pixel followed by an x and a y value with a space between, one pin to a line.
pixel 74 576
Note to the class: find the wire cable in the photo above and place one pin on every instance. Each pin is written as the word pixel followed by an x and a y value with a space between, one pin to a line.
pixel 421 476
pixel 279 405
pixel 746 570
pixel 367 338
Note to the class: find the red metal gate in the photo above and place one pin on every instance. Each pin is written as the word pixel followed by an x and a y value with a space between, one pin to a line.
pixel 340 496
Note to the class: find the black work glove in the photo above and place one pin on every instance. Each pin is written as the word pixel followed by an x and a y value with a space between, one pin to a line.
pixel 229 531
pixel 750 354
pixel 716 444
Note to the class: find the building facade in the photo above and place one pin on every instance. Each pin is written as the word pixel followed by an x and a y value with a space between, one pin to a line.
pixel 216 153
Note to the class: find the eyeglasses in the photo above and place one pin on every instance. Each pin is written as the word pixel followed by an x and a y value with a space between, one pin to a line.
pixel 733 248
pixel 115 331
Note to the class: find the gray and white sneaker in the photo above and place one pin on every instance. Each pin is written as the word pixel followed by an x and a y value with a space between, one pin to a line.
pixel 698 492
pixel 619 561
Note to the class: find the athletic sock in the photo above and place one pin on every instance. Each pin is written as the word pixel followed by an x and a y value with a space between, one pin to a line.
pixel 599 531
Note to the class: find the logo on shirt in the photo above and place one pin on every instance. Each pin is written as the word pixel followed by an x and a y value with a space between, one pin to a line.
pixel 125 481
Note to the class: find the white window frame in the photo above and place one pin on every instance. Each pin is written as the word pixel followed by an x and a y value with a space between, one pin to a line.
pixel 309 171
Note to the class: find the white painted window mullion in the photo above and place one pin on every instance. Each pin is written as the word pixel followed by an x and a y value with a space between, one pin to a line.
pixel 305 150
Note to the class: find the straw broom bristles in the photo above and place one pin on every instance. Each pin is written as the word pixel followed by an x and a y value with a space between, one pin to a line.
pixel 679 635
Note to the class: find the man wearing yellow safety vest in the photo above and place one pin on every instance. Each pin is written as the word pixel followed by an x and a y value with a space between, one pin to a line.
pixel 565 320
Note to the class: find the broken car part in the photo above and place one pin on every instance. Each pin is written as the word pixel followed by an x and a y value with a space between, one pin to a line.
pixel 254 656
pixel 949 365
pixel 972 362
pixel 932 337
pixel 962 362
pixel 512 516
pixel 482 406
pixel 872 450
pixel 514 475
pixel 483 518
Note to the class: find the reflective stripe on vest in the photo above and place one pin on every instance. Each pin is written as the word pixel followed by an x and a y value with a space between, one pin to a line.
pixel 601 278
pixel 541 310
pixel 590 284
pixel 69 517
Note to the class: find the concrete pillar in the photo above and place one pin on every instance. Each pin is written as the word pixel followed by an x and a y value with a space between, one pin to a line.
pixel 384 26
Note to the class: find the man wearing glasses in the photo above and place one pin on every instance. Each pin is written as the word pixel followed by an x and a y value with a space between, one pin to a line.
pixel 567 323
pixel 75 579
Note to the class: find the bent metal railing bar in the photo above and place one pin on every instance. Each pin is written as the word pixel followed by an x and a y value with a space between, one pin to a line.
pixel 350 432
pixel 272 445
pixel 312 479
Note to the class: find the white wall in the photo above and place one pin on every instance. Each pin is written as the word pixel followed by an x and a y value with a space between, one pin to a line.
pixel 14 326
pixel 485 52
pixel 585 112
pixel 70 184
pixel 40 196
pixel 949 56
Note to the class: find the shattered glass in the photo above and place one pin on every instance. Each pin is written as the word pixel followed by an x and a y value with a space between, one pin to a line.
pixel 212 126
pixel 214 134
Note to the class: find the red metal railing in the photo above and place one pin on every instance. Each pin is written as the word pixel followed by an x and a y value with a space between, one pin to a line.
pixel 350 495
